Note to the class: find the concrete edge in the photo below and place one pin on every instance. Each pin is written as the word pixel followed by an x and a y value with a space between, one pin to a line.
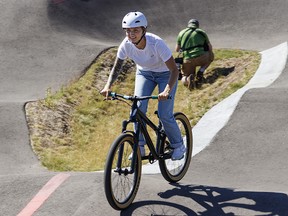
pixel 272 63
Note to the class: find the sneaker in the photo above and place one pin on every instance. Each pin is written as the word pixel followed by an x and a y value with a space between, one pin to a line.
pixel 178 153
pixel 142 152
pixel 200 77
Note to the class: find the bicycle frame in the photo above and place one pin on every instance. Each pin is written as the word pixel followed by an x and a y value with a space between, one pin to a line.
pixel 137 116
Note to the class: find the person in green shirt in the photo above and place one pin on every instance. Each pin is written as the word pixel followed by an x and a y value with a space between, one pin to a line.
pixel 197 51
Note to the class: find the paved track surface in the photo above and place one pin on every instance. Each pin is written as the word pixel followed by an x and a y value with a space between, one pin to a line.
pixel 44 44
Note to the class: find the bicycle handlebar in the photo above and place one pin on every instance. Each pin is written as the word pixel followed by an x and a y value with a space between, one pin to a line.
pixel 132 98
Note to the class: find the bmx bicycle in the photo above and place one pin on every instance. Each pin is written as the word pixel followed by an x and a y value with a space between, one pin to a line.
pixel 122 174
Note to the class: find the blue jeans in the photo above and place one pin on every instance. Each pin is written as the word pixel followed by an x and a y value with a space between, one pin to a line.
pixel 145 83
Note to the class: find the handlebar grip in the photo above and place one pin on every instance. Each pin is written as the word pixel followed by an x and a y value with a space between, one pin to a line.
pixel 111 94
pixel 156 97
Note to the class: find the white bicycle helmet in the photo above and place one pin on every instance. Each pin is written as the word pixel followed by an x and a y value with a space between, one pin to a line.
pixel 134 19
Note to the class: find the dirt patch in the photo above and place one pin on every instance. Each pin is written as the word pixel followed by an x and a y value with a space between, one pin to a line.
pixel 50 120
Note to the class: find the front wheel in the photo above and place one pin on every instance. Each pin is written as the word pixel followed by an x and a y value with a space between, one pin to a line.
pixel 121 185
pixel 174 171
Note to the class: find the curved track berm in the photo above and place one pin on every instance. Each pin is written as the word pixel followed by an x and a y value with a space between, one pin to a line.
pixel 45 44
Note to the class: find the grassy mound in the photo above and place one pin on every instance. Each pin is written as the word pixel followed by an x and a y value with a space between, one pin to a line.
pixel 73 128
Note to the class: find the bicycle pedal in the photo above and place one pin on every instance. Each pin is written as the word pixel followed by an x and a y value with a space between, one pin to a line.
pixel 151 158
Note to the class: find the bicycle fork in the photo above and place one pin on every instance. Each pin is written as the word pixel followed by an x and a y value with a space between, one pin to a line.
pixel 128 170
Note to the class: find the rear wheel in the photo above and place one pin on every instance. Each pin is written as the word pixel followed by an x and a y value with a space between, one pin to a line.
pixel 174 171
pixel 121 186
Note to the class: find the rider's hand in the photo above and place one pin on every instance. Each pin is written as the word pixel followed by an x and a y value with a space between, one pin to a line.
pixel 163 95
pixel 105 92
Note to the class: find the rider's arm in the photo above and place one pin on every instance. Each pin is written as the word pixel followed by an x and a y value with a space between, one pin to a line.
pixel 113 75
pixel 115 72
pixel 170 63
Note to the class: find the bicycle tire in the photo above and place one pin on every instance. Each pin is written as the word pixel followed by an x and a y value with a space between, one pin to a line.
pixel 174 171
pixel 121 189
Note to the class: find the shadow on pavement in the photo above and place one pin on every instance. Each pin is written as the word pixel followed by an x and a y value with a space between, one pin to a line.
pixel 221 201
pixel 155 207
pixel 209 200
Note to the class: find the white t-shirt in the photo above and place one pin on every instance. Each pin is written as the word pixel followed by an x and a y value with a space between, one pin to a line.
pixel 151 58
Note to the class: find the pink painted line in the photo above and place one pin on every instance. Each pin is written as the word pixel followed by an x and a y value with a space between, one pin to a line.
pixel 43 194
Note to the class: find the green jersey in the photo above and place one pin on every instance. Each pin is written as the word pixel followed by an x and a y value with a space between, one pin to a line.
pixel 192 42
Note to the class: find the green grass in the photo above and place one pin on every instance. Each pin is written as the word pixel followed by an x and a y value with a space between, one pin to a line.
pixel 73 128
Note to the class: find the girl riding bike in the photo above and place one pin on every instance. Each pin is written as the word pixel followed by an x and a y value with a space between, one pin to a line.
pixel 155 67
